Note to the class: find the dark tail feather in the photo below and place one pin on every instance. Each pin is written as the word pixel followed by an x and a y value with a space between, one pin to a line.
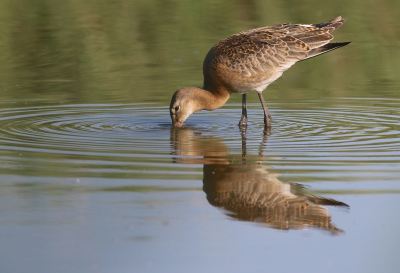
pixel 324 49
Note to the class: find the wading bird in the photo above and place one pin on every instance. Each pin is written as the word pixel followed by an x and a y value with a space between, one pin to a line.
pixel 248 62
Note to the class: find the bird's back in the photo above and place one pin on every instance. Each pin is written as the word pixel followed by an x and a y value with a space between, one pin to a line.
pixel 250 60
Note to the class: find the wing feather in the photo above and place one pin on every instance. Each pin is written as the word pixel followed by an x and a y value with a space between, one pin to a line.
pixel 268 50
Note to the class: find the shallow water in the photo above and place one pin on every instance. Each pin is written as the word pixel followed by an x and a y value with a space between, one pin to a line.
pixel 105 186
pixel 94 179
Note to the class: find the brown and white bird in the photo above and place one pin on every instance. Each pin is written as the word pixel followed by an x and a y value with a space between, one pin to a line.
pixel 248 62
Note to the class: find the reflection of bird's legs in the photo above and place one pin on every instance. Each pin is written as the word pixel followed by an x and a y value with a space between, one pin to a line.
pixel 243 135
pixel 243 119
pixel 267 115
pixel 267 133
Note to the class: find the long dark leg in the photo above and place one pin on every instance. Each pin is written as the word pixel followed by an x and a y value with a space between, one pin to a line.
pixel 267 115
pixel 243 119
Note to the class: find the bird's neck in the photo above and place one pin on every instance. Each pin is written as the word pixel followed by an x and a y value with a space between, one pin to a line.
pixel 209 99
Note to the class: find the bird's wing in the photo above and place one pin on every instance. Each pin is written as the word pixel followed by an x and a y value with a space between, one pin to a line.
pixel 263 51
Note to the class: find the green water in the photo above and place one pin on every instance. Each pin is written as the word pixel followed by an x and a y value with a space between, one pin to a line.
pixel 94 179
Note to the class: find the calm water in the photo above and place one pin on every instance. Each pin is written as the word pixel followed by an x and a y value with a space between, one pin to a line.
pixel 94 179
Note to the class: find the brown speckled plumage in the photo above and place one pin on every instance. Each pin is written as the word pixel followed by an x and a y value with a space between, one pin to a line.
pixel 250 60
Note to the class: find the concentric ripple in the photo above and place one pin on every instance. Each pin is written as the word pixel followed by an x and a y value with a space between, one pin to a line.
pixel 307 137
pixel 346 128
pixel 81 127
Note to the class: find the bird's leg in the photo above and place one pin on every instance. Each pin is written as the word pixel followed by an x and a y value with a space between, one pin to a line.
pixel 267 115
pixel 243 119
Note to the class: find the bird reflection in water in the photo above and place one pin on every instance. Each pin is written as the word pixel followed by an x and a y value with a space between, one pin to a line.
pixel 248 191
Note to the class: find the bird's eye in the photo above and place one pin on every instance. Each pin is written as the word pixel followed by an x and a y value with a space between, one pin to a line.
pixel 177 108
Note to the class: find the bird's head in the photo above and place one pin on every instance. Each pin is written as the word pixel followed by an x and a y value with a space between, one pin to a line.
pixel 182 106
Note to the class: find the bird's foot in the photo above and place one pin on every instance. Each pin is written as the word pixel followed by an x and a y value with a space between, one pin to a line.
pixel 267 131
pixel 243 121
pixel 268 121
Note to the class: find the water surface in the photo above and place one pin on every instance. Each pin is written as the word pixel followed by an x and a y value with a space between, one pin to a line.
pixel 94 179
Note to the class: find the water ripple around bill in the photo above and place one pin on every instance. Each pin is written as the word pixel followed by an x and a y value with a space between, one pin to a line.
pixel 118 127
pixel 304 134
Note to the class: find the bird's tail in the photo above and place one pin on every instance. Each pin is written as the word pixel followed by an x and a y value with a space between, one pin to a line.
pixel 324 49
pixel 332 24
